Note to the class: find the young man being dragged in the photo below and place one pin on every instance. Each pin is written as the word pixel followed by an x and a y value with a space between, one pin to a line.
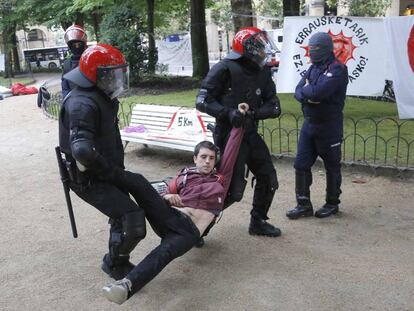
pixel 194 199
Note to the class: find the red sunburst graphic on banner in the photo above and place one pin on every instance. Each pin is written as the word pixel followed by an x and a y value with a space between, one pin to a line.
pixel 343 47
pixel 410 49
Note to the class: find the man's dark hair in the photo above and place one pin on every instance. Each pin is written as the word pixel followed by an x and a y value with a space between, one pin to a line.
pixel 208 145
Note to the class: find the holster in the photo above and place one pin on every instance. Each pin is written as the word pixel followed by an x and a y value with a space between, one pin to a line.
pixel 79 181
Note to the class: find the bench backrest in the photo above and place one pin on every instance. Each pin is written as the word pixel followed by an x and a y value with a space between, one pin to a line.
pixel 157 118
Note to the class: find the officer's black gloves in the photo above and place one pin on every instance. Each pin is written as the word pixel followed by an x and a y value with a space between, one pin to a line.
pixel 236 118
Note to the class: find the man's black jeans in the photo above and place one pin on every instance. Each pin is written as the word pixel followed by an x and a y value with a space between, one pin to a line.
pixel 177 231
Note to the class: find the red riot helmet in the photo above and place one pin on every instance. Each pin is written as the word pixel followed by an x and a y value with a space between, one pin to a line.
pixel 254 44
pixel 75 33
pixel 103 66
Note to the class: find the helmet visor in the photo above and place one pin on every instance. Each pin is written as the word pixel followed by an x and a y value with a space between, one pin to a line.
pixel 113 80
pixel 260 48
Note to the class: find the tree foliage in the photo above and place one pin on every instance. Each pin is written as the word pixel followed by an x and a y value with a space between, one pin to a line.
pixel 362 7
pixel 171 16
pixel 368 7
pixel 123 23
pixel 271 8
pixel 221 14
pixel 9 20
pixel 122 28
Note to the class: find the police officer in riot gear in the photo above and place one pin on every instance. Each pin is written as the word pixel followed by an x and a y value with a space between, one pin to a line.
pixel 90 140
pixel 243 76
pixel 76 39
pixel 321 92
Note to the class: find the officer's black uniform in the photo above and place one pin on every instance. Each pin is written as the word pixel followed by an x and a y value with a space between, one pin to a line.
pixel 321 92
pixel 90 139
pixel 228 83
pixel 68 65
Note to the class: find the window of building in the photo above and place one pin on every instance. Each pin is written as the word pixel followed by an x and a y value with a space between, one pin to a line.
pixel 35 35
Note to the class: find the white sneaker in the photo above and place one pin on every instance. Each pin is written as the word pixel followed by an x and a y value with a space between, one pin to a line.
pixel 117 291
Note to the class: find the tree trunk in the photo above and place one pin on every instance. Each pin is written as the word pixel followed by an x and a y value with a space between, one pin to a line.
pixel 152 50
pixel 16 59
pixel 291 7
pixel 242 13
pixel 199 39
pixel 8 68
pixel 96 20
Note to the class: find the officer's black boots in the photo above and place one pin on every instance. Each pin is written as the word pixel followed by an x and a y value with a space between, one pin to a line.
pixel 326 210
pixel 304 207
pixel 262 227
pixel 300 211
pixel 116 268
pixel 333 191
pixel 125 234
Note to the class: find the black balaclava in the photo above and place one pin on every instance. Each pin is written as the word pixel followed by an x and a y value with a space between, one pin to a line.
pixel 320 47
pixel 77 48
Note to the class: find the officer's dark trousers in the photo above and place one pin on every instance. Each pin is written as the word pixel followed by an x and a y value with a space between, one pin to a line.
pixel 109 199
pixel 322 139
pixel 177 231
pixel 254 153
pixel 114 202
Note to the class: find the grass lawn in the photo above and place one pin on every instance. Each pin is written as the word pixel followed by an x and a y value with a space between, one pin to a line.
pixel 373 132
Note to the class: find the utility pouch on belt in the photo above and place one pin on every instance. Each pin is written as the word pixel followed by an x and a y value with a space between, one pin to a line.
pixel 75 176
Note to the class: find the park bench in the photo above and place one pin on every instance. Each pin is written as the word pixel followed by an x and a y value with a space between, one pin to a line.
pixel 167 126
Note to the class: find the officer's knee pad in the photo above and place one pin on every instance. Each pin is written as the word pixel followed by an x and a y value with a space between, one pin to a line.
pixel 133 225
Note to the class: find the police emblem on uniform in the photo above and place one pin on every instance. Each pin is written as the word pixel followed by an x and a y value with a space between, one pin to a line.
pixel 258 91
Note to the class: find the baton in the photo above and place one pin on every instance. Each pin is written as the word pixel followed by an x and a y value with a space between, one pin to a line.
pixel 64 177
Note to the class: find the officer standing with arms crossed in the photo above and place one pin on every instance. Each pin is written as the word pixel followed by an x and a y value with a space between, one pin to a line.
pixel 90 141
pixel 76 39
pixel 243 76
pixel 321 92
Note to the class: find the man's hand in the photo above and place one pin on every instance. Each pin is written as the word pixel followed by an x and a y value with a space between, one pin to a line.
pixel 243 108
pixel 174 199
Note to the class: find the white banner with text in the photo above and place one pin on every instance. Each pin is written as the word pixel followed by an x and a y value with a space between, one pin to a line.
pixel 359 42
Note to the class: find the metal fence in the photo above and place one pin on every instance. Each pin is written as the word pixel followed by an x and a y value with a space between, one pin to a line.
pixel 382 142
